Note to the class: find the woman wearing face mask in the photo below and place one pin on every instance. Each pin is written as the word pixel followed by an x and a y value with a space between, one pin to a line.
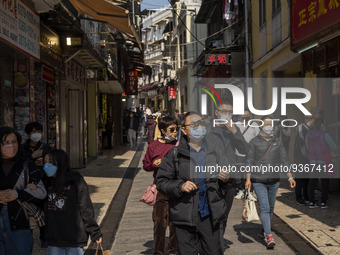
pixel 266 150
pixel 69 211
pixel 33 148
pixel 15 235
pixel 151 162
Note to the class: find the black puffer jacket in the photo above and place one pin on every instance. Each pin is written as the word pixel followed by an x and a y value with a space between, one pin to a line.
pixel 70 214
pixel 184 206
pixel 275 157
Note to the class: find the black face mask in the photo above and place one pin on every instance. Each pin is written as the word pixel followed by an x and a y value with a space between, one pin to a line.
pixel 246 119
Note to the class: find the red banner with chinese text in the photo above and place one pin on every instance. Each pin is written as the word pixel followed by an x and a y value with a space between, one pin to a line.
pixel 172 92
pixel 309 18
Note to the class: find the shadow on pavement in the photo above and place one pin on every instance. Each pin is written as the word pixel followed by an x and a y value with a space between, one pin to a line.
pixel 329 216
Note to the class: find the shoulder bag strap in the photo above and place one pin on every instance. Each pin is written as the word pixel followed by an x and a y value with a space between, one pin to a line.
pixel 257 162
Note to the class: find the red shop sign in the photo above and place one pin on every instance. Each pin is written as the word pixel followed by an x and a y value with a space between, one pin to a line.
pixel 172 92
pixel 309 18
pixel 47 74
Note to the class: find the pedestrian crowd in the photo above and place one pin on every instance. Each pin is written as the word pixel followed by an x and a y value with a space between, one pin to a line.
pixel 195 204
pixel 38 190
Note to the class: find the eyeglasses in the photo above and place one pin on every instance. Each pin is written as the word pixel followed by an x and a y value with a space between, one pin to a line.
pixel 8 143
pixel 197 123
pixel 226 111
pixel 173 129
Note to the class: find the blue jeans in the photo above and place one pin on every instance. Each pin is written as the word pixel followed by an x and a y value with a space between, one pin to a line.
pixel 53 250
pixel 14 242
pixel 266 196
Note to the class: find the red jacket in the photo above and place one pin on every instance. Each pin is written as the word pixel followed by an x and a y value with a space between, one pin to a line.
pixel 155 151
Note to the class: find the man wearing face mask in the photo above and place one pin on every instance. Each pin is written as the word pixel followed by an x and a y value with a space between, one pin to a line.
pixel 233 141
pixel 197 205
pixel 248 132
pixel 266 150
pixel 33 149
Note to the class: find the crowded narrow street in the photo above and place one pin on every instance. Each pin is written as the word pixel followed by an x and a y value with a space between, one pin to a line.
pixel 169 127
pixel 128 222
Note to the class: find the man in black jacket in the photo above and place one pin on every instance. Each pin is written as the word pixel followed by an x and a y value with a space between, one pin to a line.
pixel 197 205
pixel 232 139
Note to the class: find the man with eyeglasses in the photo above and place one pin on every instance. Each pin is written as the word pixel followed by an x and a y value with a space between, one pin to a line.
pixel 233 140
pixel 197 205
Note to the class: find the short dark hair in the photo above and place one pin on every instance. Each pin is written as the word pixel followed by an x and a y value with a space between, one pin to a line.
pixel 165 122
pixel 318 123
pixel 4 132
pixel 266 117
pixel 189 114
pixel 33 125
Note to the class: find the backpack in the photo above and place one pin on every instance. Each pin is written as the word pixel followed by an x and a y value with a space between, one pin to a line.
pixel 317 146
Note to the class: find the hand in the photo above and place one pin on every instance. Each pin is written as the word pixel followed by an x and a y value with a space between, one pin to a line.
pixel 292 183
pixel 8 195
pixel 223 176
pixel 188 186
pixel 157 163
pixel 231 128
pixel 31 186
pixel 37 154
pixel 39 162
pixel 99 240
pixel 247 185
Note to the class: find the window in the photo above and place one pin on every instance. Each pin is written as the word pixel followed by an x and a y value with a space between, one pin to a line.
pixel 262 12
pixel 276 5
pixel 276 23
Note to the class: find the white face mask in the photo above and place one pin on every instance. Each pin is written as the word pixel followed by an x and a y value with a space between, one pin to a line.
pixel 268 130
pixel 36 137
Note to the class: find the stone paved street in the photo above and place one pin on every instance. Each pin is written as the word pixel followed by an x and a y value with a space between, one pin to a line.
pixel 297 229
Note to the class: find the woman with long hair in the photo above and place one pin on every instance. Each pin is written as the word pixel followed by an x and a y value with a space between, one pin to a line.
pixel 69 210
pixel 15 234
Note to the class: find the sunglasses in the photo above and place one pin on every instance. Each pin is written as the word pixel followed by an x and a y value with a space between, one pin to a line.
pixel 195 124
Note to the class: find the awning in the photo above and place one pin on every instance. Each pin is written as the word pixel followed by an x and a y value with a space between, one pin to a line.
pixel 206 10
pixel 105 11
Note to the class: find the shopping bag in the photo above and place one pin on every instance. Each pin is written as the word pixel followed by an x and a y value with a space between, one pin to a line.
pixel 100 250
pixel 249 210
pixel 150 195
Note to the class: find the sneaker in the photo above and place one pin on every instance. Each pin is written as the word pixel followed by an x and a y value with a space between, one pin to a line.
pixel 270 242
pixel 240 195
pixel 323 206
pixel 251 197
pixel 313 205
pixel 301 202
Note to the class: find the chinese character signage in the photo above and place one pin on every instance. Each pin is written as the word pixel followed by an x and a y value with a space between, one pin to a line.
pixel 172 92
pixel 20 26
pixel 217 59
pixel 309 18
pixel 131 82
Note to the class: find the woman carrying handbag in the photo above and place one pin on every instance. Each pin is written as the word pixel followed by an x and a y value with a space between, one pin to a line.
pixel 151 162
pixel 15 234
pixel 266 150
